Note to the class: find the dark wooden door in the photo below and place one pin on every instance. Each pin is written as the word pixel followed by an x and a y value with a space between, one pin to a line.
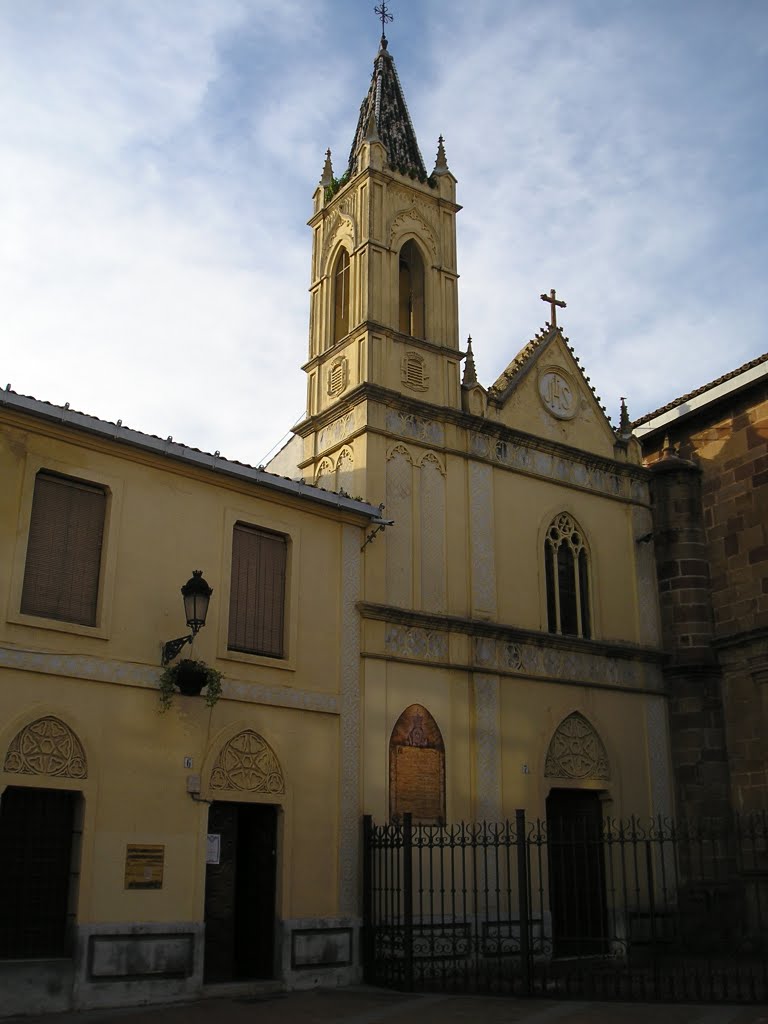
pixel 576 872
pixel 36 828
pixel 240 893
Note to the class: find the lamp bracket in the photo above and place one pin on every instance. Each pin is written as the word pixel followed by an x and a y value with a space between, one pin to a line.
pixel 172 647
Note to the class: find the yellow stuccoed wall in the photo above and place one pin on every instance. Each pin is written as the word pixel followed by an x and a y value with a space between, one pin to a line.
pixel 163 519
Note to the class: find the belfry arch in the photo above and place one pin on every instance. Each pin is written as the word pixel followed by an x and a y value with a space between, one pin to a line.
pixel 411 290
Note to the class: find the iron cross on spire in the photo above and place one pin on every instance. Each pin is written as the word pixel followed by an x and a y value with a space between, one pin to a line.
pixel 554 302
pixel 383 12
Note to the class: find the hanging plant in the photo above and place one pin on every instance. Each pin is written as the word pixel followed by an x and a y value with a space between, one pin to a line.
pixel 189 677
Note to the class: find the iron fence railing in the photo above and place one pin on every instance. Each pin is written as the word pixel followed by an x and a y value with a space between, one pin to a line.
pixel 627 909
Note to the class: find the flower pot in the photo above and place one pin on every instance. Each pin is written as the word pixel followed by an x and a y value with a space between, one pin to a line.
pixel 191 678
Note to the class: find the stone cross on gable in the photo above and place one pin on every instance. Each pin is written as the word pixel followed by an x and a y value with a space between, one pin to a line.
pixel 554 302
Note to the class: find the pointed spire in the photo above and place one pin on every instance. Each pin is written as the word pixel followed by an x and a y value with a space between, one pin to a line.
pixel 385 105
pixel 441 163
pixel 625 426
pixel 667 451
pixel 470 373
pixel 327 176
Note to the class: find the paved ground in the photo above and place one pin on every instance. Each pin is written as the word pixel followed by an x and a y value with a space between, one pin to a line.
pixel 364 1005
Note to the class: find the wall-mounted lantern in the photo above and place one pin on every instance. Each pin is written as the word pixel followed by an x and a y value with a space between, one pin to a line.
pixel 197 595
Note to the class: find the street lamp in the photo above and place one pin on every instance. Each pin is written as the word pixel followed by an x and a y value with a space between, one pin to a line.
pixel 197 595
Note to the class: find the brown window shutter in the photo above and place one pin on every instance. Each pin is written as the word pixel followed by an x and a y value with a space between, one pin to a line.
pixel 66 530
pixel 257 591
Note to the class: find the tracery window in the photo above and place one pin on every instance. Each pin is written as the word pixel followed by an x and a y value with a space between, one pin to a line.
pixel 341 295
pixel 566 564
pixel 411 291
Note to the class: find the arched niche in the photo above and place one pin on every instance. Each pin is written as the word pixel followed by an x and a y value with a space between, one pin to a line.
pixel 417 767
pixel 576 751
pixel 47 747
pixel 248 764
pixel 411 289
pixel 340 295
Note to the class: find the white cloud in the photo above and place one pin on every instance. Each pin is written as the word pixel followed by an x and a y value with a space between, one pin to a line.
pixel 157 163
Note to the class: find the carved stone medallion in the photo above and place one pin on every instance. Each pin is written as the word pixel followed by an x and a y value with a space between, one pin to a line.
pixel 559 393
pixel 248 763
pixel 576 751
pixel 47 747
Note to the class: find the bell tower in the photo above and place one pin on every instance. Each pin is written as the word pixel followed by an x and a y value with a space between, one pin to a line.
pixel 384 306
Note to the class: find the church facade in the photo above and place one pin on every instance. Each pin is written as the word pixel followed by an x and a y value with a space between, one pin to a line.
pixel 510 638
pixel 486 637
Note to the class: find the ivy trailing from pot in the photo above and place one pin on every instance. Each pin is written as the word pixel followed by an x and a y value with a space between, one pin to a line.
pixel 189 677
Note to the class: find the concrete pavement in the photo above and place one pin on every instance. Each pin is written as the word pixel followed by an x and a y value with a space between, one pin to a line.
pixel 366 1005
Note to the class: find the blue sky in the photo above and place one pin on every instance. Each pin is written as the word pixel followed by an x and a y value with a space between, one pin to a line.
pixel 157 162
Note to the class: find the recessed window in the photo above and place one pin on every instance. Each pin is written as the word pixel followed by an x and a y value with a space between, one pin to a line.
pixel 411 291
pixel 257 591
pixel 341 295
pixel 63 565
pixel 566 566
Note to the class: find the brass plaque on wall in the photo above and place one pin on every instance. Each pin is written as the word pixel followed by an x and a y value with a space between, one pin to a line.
pixel 144 866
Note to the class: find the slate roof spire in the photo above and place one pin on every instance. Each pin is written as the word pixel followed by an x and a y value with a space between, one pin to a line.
pixel 385 103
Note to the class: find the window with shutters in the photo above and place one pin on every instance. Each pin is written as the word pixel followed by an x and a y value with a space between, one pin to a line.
pixel 257 591
pixel 63 562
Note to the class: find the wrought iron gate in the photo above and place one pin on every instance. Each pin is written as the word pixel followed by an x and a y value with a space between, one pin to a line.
pixel 653 910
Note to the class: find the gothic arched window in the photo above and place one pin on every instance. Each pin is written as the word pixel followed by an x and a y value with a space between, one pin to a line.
pixel 341 295
pixel 566 567
pixel 411 291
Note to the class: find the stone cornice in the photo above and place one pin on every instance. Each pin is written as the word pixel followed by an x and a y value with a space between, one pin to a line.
pixel 511 634
pixel 498 650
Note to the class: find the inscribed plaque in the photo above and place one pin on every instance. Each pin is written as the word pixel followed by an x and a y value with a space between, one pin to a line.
pixel 144 867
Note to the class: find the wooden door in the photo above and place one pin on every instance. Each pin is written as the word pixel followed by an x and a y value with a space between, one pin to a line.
pixel 240 893
pixel 576 872
pixel 36 830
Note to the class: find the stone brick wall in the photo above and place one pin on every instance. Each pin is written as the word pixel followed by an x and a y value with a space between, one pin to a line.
pixel 697 727
pixel 728 442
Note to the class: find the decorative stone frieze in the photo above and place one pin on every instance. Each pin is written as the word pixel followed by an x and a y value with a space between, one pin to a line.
pixel 414 642
pixel 561 468
pixel 408 425
pixel 340 429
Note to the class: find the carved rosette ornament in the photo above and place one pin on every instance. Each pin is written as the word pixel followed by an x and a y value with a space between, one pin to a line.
pixel 576 751
pixel 248 763
pixel 47 747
